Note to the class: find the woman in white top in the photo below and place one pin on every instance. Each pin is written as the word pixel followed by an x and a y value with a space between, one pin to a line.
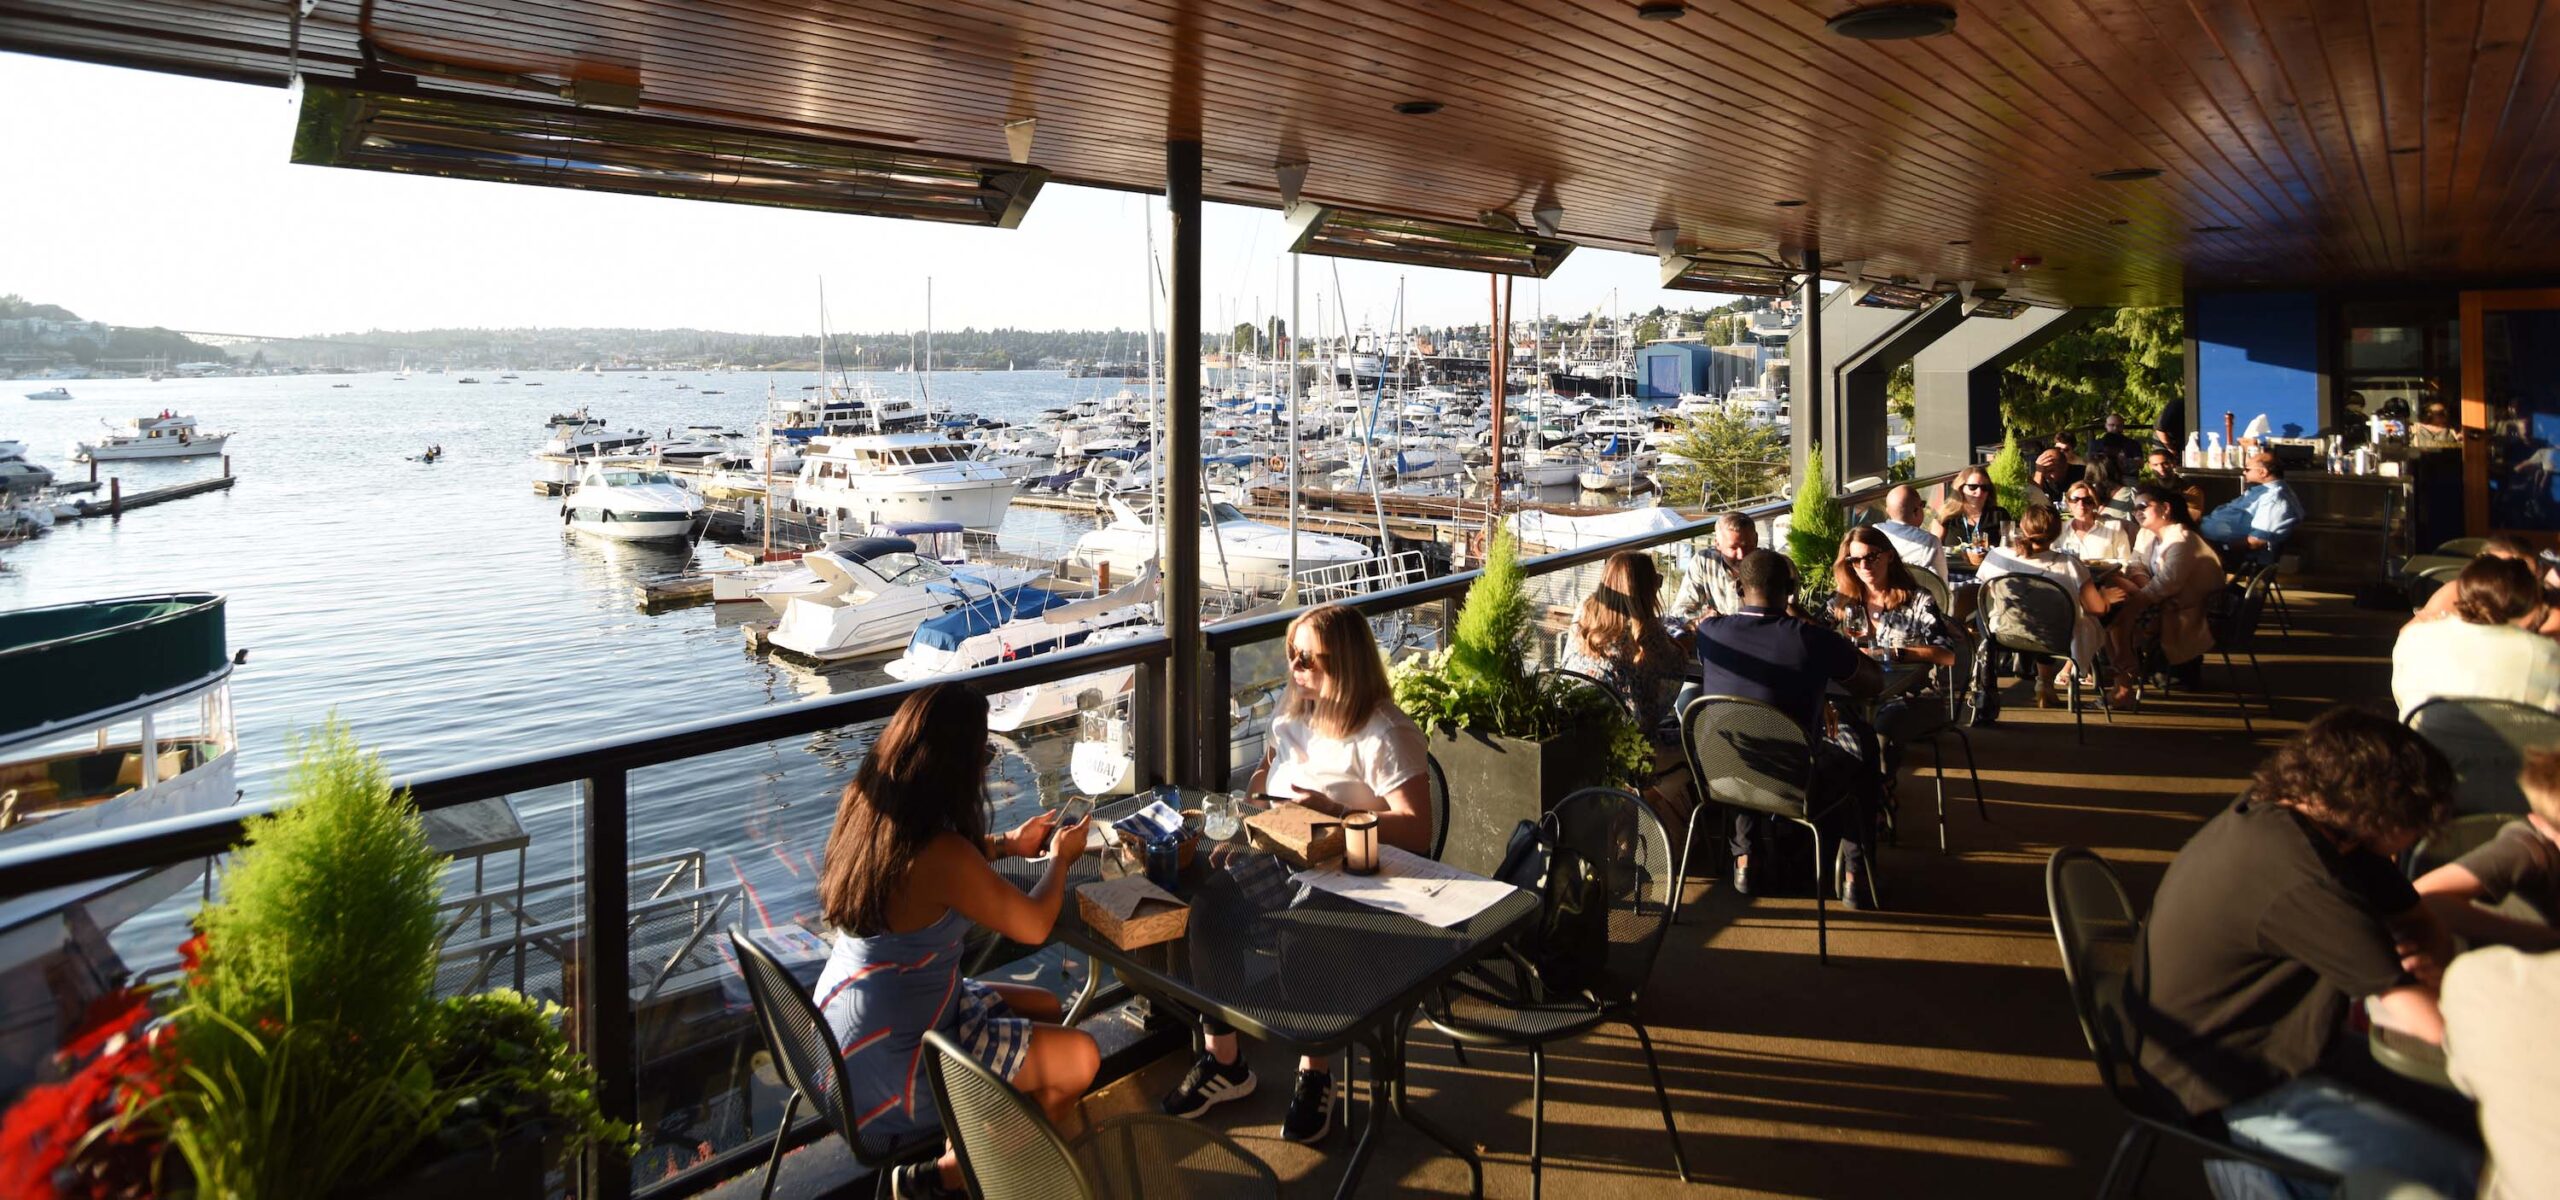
pixel 1339 745
pixel 2031 552
pixel 2489 652
pixel 2090 534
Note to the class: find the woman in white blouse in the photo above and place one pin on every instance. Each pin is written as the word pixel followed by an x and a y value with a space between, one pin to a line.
pixel 2489 651
pixel 2090 533
pixel 2032 552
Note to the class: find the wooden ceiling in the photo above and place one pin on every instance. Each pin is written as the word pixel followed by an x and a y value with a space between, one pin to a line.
pixel 2318 141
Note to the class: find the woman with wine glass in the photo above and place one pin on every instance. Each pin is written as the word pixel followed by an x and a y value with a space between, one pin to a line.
pixel 1974 524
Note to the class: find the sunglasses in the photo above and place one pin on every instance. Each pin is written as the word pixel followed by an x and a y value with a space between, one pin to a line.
pixel 1300 660
pixel 1863 560
pixel 2083 498
pixel 1977 487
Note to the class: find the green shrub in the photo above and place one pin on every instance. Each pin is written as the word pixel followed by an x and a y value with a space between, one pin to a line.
pixel 2008 470
pixel 1815 526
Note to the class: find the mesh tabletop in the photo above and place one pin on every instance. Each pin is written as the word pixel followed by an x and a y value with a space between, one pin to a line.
pixel 1282 962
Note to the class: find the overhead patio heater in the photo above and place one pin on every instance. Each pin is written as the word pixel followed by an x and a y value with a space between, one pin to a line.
pixel 458 136
pixel 1686 273
pixel 1414 241
pixel 1904 296
pixel 1997 308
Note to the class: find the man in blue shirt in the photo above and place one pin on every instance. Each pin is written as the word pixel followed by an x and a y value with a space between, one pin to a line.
pixel 2256 523
pixel 1765 652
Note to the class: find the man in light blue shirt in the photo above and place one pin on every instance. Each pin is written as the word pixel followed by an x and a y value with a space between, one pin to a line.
pixel 2262 517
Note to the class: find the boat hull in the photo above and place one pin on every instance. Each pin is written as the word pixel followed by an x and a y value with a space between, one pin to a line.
pixel 153 448
pixel 975 505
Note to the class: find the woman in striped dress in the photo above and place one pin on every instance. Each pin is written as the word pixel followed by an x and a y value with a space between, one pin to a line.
pixel 907 872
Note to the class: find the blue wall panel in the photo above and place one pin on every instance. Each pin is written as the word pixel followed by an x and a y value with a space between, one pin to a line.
pixel 2257 352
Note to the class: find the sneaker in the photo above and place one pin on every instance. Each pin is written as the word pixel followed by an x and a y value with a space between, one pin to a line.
pixel 1310 1110
pixel 1210 1084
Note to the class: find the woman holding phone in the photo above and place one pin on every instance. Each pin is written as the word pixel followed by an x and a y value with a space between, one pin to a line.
pixel 1340 745
pixel 906 873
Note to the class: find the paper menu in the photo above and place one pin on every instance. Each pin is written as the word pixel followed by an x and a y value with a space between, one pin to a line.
pixel 1410 885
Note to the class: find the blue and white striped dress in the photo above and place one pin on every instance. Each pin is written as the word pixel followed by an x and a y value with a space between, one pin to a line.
pixel 880 994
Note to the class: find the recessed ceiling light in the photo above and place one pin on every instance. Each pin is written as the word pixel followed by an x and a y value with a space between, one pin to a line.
pixel 2217 229
pixel 1417 108
pixel 1959 241
pixel 2118 221
pixel 2404 149
pixel 2127 175
pixel 1893 22
pixel 1791 204
pixel 1661 10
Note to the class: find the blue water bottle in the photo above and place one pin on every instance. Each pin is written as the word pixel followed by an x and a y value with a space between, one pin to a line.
pixel 1164 864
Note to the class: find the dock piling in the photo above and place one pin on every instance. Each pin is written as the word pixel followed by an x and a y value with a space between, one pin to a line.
pixel 115 496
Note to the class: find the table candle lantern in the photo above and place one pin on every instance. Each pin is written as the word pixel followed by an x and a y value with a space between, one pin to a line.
pixel 1360 843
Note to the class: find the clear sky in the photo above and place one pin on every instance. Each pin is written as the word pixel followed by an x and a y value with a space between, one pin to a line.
pixel 147 199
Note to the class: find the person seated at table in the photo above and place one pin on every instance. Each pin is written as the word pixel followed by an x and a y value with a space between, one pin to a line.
pixel 1973 524
pixel 1339 745
pixel 2106 482
pixel 2161 601
pixel 2091 533
pixel 1618 638
pixel 2116 446
pixel 2439 605
pixel 2435 429
pixel 906 873
pixel 2276 916
pixel 2031 552
pixel 1762 652
pixel 2051 473
pixel 2490 650
pixel 2497 1007
pixel 2255 524
pixel 1877 603
pixel 1706 587
pixel 1903 513
pixel 2523 861
pixel 2162 469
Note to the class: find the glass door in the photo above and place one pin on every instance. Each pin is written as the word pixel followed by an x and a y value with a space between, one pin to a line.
pixel 2511 414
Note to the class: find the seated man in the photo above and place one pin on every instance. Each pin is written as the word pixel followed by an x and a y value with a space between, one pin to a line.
pixel 2272 920
pixel 2255 523
pixel 2523 861
pixel 2116 444
pixel 1918 547
pixel 1706 587
pixel 1760 652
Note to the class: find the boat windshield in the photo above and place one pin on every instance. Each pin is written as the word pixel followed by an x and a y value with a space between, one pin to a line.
pixel 634 478
pixel 1220 513
pixel 908 569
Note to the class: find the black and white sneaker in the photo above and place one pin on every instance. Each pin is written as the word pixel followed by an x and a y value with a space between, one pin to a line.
pixel 1210 1084
pixel 1310 1110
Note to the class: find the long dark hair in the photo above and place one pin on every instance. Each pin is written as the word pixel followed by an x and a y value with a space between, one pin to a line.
pixel 2162 494
pixel 925 777
pixel 1619 616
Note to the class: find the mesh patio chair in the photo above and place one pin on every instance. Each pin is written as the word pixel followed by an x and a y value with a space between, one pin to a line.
pixel 2486 739
pixel 1439 805
pixel 1619 837
pixel 2234 621
pixel 2030 614
pixel 1929 724
pixel 2100 933
pixel 1745 754
pixel 805 1054
pixel 1597 684
pixel 1009 1151
pixel 1936 585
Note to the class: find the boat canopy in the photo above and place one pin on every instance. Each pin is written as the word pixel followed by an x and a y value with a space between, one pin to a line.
pixel 921 528
pixel 947 631
pixel 864 549
pixel 80 665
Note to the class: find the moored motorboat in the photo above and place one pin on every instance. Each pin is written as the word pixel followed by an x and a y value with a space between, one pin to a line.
pixel 166 435
pixel 871 594
pixel 1237 553
pixel 51 393
pixel 628 503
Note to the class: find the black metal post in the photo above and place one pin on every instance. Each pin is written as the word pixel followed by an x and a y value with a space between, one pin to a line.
pixel 1808 387
pixel 604 971
pixel 1182 703
pixel 1217 747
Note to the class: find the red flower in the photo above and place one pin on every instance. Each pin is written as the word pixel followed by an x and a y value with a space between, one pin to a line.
pixel 111 1063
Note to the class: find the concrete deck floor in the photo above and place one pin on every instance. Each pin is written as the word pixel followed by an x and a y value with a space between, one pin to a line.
pixel 1936 1055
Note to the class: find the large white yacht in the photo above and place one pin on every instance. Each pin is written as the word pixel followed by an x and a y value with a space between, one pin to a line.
pixel 1024 622
pixel 871 593
pixel 576 436
pixel 166 435
pixel 1237 553
pixel 880 478
pixel 18 477
pixel 630 503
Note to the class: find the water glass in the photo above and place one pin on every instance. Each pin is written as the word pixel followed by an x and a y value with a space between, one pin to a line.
pixel 1218 820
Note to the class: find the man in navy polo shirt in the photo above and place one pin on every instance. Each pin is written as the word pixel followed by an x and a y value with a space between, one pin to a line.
pixel 1766 652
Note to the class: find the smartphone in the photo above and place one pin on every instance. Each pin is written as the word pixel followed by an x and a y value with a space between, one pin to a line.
pixel 1069 813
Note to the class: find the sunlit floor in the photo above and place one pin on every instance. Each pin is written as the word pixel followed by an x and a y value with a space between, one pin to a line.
pixel 1936 1055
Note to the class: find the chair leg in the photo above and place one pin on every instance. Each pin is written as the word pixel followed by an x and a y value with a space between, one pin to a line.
pixel 782 1134
pixel 1537 1118
pixel 1688 846
pixel 2236 700
pixel 2284 614
pixel 1980 808
pixel 1662 1096
pixel 1938 760
pixel 2079 720
pixel 2260 670
pixel 1821 897
pixel 2132 1158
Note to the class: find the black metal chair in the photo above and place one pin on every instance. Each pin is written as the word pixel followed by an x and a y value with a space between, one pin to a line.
pixel 1600 685
pixel 1439 805
pixel 1745 754
pixel 2234 622
pixel 1618 837
pixel 2100 932
pixel 1009 1151
pixel 1930 725
pixel 806 1056
pixel 2030 614
pixel 2487 740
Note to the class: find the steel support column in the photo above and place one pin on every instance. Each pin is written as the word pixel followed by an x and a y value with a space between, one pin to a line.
pixel 1804 371
pixel 1180 697
pixel 1835 337
pixel 1956 380
pixel 1863 375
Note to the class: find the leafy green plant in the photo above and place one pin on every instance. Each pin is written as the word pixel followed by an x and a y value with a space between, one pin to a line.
pixel 272 1111
pixel 506 1065
pixel 2009 478
pixel 1481 680
pixel 1816 525
pixel 1724 459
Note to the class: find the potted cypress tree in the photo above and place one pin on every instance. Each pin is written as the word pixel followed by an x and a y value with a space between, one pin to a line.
pixel 1814 528
pixel 1512 742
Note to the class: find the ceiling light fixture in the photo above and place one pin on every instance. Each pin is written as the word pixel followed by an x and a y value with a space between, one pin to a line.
pixel 1666 240
pixel 2127 175
pixel 1686 273
pixel 1893 22
pixel 1791 204
pixel 1550 219
pixel 424 132
pixel 1661 10
pixel 1959 241
pixel 2216 229
pixel 1017 138
pixel 1415 241
pixel 1417 108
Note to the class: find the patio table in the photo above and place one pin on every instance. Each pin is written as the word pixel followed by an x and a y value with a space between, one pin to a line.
pixel 1294 966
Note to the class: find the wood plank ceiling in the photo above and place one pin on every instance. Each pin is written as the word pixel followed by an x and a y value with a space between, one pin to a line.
pixel 2299 141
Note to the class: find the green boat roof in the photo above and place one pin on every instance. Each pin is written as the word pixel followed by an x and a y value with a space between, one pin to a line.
pixel 79 665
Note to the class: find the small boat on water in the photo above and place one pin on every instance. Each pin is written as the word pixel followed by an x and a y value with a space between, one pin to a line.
pixel 51 393
pixel 870 595
pixel 166 435
pixel 627 503
pixel 466 379
pixel 18 477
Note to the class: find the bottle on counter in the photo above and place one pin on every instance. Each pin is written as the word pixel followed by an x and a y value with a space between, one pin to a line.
pixel 2193 457
pixel 2213 451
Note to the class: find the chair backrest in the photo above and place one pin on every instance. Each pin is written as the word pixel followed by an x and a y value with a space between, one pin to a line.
pixel 2469 546
pixel 1600 685
pixel 1747 754
pixel 1008 1151
pixel 1439 804
pixel 2458 837
pixel 2486 739
pixel 1932 583
pixel 2235 614
pixel 803 1048
pixel 2029 613
pixel 2100 933
pixel 1616 831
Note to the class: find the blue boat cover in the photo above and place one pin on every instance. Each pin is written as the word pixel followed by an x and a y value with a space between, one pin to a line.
pixel 915 528
pixel 867 548
pixel 947 631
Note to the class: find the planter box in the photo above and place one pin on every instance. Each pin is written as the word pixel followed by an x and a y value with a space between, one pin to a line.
pixel 1497 782
pixel 513 1169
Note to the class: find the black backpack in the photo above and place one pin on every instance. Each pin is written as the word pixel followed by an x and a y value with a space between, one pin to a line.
pixel 1567 950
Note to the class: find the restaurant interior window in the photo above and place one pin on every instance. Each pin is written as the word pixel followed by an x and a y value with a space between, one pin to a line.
pixel 2396 354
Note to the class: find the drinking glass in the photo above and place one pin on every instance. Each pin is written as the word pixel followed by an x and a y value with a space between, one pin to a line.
pixel 1218 820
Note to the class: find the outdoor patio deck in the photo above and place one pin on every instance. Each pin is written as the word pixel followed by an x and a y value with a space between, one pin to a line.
pixel 1935 1056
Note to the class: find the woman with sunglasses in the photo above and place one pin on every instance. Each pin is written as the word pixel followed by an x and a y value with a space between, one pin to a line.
pixel 2033 552
pixel 2090 533
pixel 906 873
pixel 1340 745
pixel 2161 600
pixel 1973 525
pixel 1879 605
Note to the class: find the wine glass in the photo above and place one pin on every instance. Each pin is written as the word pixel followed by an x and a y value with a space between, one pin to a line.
pixel 1218 821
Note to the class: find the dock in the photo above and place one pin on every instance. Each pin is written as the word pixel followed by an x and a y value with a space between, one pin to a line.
pixel 118 503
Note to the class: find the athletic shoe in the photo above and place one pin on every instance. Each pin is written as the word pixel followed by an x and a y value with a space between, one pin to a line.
pixel 1209 1084
pixel 1310 1110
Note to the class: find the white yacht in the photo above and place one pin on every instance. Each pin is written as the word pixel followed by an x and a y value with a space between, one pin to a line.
pixel 880 478
pixel 630 503
pixel 1615 474
pixel 579 435
pixel 873 592
pixel 51 393
pixel 1237 553
pixel 166 435
pixel 1755 404
pixel 18 477
pixel 1024 622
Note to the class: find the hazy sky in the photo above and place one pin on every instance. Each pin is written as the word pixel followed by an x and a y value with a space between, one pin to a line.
pixel 147 199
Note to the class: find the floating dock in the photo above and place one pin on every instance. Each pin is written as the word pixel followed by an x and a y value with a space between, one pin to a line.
pixel 118 503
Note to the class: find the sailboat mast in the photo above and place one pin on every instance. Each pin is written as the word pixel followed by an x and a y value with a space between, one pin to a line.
pixel 1290 591
pixel 924 381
